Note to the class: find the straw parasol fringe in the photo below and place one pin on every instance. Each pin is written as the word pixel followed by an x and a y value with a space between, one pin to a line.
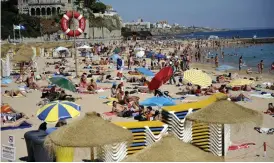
pixel 226 112
pixel 171 149
pixel 91 131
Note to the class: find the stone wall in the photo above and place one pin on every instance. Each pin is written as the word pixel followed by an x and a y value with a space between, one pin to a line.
pixel 95 33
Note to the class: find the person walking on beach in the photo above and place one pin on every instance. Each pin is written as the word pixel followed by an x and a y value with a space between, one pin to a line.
pixel 240 63
pixel 216 61
pixel 261 67
pixel 174 71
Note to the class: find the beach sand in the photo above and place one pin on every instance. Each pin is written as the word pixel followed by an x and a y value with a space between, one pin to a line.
pixel 240 133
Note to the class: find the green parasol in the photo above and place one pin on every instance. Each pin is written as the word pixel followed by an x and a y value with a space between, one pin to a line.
pixel 63 82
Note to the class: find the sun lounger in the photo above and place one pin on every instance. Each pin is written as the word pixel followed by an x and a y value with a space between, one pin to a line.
pixel 144 133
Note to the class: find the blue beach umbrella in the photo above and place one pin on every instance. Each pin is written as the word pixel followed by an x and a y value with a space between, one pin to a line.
pixel 158 101
pixel 145 71
pixel 224 68
pixel 58 110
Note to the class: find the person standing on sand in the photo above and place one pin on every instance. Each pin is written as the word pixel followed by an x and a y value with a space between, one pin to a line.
pixel 261 67
pixel 240 63
pixel 216 61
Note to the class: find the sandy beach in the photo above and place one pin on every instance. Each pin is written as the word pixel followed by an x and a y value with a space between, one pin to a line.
pixel 244 133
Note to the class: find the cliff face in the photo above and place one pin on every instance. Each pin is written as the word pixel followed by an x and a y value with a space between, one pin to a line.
pixel 109 22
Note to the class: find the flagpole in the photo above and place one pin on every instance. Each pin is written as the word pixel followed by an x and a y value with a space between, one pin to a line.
pixel 19 33
pixel 13 33
pixel 74 41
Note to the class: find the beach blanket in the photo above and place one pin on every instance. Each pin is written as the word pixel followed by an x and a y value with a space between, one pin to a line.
pixel 103 97
pixel 22 126
pixel 179 98
pixel 263 130
pixel 110 101
pixel 241 146
pixel 268 96
pixel 109 114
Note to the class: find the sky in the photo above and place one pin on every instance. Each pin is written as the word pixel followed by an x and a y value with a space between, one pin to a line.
pixel 234 14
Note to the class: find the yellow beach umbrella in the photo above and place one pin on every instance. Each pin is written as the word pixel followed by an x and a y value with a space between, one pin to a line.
pixel 57 110
pixel 240 82
pixel 197 77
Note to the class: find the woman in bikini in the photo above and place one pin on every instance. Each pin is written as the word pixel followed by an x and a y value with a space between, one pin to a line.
pixel 92 86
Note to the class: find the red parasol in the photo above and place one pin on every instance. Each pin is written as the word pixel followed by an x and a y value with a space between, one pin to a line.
pixel 160 78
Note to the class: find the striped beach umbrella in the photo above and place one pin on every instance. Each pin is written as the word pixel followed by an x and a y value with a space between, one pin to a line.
pixel 197 77
pixel 58 110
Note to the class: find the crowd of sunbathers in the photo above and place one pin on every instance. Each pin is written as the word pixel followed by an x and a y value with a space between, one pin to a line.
pixel 128 106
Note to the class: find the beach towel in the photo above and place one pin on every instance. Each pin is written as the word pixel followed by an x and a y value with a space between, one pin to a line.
pixel 19 95
pixel 22 126
pixel 262 130
pixel 268 96
pixel 109 114
pixel 241 146
pixel 179 98
pixel 103 97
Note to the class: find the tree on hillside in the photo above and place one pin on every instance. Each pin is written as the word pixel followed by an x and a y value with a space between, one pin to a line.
pixel 98 7
pixel 10 17
pixel 93 5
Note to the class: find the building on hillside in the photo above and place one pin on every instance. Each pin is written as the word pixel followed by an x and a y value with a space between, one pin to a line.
pixel 110 11
pixel 140 25
pixel 44 8
pixel 161 25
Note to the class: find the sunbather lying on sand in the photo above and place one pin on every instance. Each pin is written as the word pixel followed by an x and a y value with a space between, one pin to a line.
pixel 270 109
pixel 13 120
pixel 240 97
pixel 13 93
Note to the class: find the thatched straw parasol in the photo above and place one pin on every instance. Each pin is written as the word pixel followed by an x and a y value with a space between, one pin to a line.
pixel 24 54
pixel 226 112
pixel 91 131
pixel 171 149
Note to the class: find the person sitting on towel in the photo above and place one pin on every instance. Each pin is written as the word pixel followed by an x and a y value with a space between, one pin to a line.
pixel 130 100
pixel 270 109
pixel 118 109
pixel 92 85
pixel 13 93
pixel 64 96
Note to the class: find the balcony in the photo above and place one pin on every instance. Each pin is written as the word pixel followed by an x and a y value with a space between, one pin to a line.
pixel 45 2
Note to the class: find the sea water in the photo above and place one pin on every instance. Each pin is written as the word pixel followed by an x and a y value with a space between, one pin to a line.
pixel 252 55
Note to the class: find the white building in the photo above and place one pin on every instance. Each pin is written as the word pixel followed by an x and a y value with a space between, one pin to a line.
pixel 44 8
pixel 161 25
pixel 136 26
pixel 110 12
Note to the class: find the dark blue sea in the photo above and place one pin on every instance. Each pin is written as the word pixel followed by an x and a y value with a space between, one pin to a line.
pixel 232 33
pixel 251 55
